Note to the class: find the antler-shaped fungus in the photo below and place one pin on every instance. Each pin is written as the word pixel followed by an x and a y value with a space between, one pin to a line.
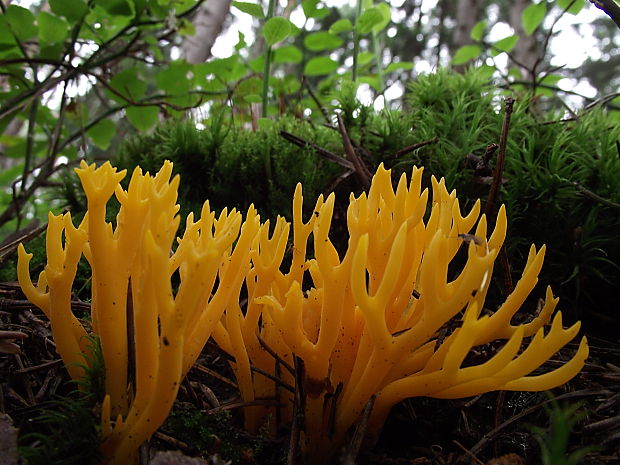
pixel 171 328
pixel 368 327
pixel 370 324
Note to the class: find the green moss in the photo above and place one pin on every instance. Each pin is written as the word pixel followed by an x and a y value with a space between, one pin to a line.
pixel 8 268
pixel 64 432
pixel 554 177
pixel 216 433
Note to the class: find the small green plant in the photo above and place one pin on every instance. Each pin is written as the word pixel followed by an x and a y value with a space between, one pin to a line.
pixel 554 440
pixel 210 434
pixel 65 432
pixel 94 383
pixel 216 433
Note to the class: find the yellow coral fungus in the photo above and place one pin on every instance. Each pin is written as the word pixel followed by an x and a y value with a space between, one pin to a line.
pixel 132 266
pixel 370 324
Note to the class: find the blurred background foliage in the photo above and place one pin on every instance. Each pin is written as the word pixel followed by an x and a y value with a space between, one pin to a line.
pixel 243 97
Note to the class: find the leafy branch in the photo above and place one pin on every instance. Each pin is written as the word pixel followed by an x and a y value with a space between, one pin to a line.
pixel 58 52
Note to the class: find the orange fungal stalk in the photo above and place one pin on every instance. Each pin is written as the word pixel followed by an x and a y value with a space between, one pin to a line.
pixel 388 320
pixel 132 265
pixel 369 325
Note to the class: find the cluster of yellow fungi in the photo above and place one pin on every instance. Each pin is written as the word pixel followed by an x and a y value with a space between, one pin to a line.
pixel 364 326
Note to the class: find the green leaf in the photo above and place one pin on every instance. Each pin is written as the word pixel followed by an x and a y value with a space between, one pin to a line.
pixel 143 118
pixel 21 21
pixel 295 31
pixel 17 150
pixel 251 86
pixel 241 43
pixel 533 16
pixel 276 29
pixel 386 11
pixel 174 79
pixel 104 25
pixel 157 11
pixel 265 123
pixel 514 72
pixel 309 7
pixel 118 7
pixel 575 8
pixel 465 54
pixel 7 40
pixel 318 41
pixel 250 8
pixel 505 45
pixel 311 10
pixel 365 57
pixel 52 29
pixel 289 84
pixel 253 98
pixel 320 13
pixel 368 20
pixel 342 25
pixel 401 65
pixel 186 27
pixel 8 175
pixel 318 66
pixel 478 31
pixel 551 79
pixel 102 133
pixel 287 54
pixel 218 66
pixel 52 51
pixel 257 65
pixel 372 81
pixel 73 10
pixel 486 71
pixel 128 86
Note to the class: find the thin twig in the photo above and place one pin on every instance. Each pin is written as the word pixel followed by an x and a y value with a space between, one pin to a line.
pixel 298 141
pixel 359 434
pixel 255 369
pixel 488 437
pixel 499 403
pixel 316 100
pixel 299 408
pixel 361 170
pixel 603 424
pixel 34 106
pixel 42 366
pixel 588 193
pixel 501 159
pixel 411 148
pixel 548 36
pixel 271 352
pixel 253 403
pixel 215 374
pixel 333 402
pixel 468 452
pixel 490 209
pixel 24 235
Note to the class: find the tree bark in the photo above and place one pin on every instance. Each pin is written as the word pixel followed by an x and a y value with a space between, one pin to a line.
pixel 468 13
pixel 209 22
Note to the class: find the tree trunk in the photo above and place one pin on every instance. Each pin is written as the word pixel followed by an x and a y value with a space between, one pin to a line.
pixel 209 22
pixel 468 13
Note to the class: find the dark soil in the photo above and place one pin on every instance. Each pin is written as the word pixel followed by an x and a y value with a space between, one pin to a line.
pixel 495 429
